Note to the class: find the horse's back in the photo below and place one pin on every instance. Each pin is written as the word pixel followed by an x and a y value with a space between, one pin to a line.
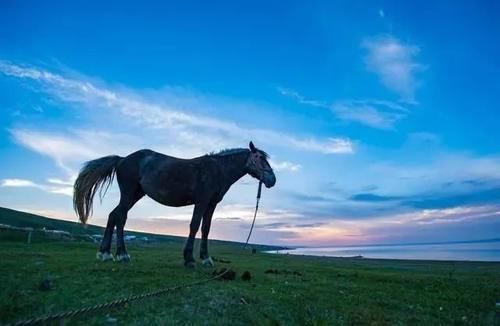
pixel 169 180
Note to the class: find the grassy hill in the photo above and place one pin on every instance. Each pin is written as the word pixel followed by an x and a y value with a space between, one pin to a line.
pixel 22 219
pixel 53 276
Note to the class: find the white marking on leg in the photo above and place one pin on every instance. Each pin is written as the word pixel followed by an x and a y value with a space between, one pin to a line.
pixel 208 262
pixel 104 256
pixel 123 257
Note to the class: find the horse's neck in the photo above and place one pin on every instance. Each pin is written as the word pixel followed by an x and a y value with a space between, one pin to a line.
pixel 234 167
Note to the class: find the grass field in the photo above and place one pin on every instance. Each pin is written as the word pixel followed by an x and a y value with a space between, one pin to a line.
pixel 323 291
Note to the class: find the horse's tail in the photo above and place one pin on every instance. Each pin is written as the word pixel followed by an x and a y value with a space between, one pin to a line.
pixel 95 174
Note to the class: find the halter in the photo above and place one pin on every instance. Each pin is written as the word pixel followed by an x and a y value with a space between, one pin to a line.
pixel 252 161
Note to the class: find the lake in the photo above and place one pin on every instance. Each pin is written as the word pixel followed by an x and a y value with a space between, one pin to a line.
pixel 478 251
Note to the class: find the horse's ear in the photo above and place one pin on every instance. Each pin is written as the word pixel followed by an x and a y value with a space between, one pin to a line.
pixel 252 147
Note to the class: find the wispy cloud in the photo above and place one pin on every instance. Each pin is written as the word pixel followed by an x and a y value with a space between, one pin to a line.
pixel 74 146
pixel 330 146
pixel 300 98
pixel 444 168
pixel 405 227
pixel 374 113
pixel 18 183
pixel 395 63
pixel 184 125
pixel 23 183
pixel 285 166
pixel 453 214
pixel 323 218
pixel 369 197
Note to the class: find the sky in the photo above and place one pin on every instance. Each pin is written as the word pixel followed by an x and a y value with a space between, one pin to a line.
pixel 381 117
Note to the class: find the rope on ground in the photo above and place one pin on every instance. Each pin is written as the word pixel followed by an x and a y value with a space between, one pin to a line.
pixel 112 304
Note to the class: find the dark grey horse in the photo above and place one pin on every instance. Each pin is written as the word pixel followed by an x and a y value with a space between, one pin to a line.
pixel 201 181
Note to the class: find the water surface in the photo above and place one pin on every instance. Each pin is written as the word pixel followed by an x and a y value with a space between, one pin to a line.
pixel 479 251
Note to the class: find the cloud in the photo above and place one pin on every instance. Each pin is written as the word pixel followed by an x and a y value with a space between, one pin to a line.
pixel 330 146
pixel 471 194
pixel 381 13
pixel 440 183
pixel 395 63
pixel 372 113
pixel 407 193
pixel 23 183
pixel 368 197
pixel 300 98
pixel 278 226
pixel 453 214
pixel 473 197
pixel 285 166
pixel 439 169
pixel 202 130
pixel 60 182
pixel 72 148
pixel 308 199
pixel 18 183
pixel 57 147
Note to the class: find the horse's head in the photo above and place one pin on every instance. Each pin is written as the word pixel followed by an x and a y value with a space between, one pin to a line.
pixel 259 168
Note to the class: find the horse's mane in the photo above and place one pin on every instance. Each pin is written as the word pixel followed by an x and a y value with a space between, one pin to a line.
pixel 233 151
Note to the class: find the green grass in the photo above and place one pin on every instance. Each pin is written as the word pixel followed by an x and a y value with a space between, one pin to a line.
pixel 328 291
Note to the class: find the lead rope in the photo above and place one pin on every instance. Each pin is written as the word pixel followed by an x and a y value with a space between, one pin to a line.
pixel 259 190
pixel 113 304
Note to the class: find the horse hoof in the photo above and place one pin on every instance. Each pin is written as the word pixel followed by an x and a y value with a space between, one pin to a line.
pixel 208 262
pixel 189 264
pixel 104 256
pixel 123 258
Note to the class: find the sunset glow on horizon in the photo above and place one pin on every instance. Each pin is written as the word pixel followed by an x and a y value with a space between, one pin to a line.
pixel 378 130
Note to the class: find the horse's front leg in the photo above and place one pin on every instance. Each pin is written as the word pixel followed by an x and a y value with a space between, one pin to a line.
pixel 198 211
pixel 205 229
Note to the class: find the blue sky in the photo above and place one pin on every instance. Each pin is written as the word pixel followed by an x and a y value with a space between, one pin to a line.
pixel 380 116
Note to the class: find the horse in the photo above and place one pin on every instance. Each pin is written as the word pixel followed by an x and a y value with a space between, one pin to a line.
pixel 201 181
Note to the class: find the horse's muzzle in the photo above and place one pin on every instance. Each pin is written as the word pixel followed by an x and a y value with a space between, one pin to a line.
pixel 269 179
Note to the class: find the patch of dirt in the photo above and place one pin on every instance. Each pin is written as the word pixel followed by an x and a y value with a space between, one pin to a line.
pixel 221 260
pixel 228 276
pixel 283 272
pixel 246 276
pixel 46 285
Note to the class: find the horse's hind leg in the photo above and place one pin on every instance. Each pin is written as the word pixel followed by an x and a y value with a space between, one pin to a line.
pixel 104 252
pixel 130 194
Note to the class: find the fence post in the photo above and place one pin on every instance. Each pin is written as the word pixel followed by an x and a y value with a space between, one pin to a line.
pixel 29 237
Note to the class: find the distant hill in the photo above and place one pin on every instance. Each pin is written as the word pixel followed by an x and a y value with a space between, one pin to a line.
pixel 22 219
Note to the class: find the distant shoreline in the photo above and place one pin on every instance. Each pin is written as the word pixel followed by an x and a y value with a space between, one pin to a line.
pixel 401 244
pixel 452 251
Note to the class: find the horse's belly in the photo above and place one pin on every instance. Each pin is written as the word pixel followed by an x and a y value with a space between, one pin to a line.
pixel 172 200
pixel 174 194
